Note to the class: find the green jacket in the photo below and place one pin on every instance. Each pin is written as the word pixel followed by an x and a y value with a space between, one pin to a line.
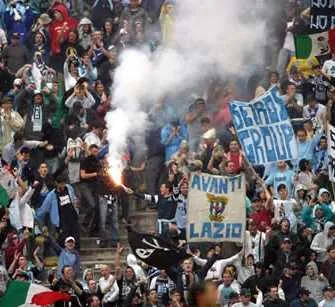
pixel 4 199
pixel 56 103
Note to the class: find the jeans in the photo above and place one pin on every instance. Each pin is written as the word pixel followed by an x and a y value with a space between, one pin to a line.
pixel 283 59
pixel 74 172
pixel 152 172
pixel 108 205
pixel 89 197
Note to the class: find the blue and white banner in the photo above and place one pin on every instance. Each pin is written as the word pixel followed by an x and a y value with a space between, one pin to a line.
pixel 216 208
pixel 331 152
pixel 264 128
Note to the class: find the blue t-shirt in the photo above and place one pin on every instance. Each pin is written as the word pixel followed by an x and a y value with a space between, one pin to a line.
pixel 277 178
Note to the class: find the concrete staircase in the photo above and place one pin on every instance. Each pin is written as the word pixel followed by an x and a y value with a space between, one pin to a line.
pixel 143 220
pixel 93 256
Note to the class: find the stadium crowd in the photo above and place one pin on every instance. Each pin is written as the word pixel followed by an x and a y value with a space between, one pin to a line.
pixel 58 60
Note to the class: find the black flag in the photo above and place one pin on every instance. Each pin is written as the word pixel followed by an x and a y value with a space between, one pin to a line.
pixel 155 250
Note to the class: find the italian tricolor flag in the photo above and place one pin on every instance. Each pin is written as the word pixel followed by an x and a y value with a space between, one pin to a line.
pixel 314 44
pixel 20 293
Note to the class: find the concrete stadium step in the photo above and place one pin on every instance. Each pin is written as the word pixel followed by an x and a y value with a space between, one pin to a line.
pixel 92 256
pixel 144 221
pixel 93 242
pixel 122 231
pixel 101 253
pixel 95 265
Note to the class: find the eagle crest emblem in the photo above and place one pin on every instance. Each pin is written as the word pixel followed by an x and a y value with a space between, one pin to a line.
pixel 217 206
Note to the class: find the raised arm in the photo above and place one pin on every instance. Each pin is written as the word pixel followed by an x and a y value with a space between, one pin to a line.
pixel 199 261
pixel 221 264
pixel 147 197
pixel 38 262
pixel 12 266
pixel 27 196
pixel 118 269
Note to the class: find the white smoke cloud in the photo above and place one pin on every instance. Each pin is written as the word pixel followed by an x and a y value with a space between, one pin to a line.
pixel 220 36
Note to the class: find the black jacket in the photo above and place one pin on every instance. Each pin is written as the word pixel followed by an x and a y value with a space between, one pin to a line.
pixel 269 302
pixel 48 181
pixel 76 300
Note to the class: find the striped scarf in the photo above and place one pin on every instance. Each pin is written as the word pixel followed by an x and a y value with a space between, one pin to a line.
pixel 37 118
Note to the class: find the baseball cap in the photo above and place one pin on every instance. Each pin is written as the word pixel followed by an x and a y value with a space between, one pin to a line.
pixel 68 239
pixel 323 190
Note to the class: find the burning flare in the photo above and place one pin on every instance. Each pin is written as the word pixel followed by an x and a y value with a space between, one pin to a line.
pixel 115 171
pixel 116 175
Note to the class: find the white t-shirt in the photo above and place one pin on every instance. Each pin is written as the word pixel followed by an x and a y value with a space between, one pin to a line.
pixel 317 115
pixel 289 39
pixel 329 68
pixel 113 294
pixel 284 209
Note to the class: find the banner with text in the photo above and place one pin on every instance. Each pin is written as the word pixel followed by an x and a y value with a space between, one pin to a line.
pixel 216 208
pixel 331 152
pixel 264 128
pixel 322 14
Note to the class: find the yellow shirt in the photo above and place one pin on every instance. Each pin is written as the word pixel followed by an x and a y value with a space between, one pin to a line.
pixel 304 65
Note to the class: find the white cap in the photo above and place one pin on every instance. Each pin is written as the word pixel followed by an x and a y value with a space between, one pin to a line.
pixel 70 239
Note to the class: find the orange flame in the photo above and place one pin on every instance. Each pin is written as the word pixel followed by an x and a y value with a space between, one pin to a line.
pixel 116 175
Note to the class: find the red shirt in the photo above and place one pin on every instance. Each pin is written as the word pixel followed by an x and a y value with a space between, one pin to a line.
pixel 223 116
pixel 236 158
pixel 60 28
pixel 262 219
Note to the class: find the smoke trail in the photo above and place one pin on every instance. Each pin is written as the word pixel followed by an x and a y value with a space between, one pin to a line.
pixel 212 36
pixel 130 84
